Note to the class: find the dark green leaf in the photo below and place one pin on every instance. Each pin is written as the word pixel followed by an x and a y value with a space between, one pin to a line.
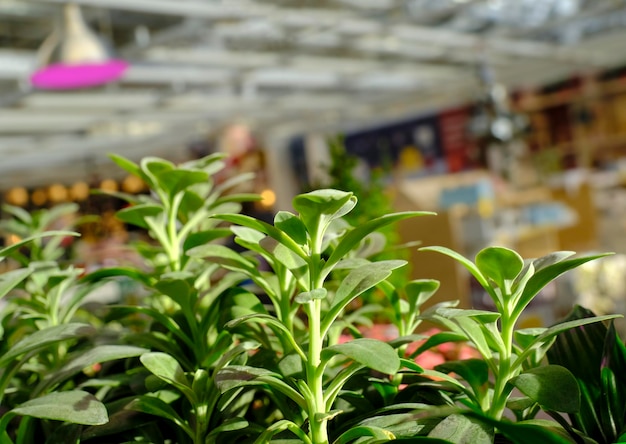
pixel 136 214
pixel 204 237
pixel 362 431
pixel 474 371
pixel 157 407
pixel 553 387
pixel 41 339
pixel 461 429
pixel 372 353
pixel 74 406
pixel 98 354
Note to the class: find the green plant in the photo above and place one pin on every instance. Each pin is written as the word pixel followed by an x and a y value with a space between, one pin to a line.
pixel 259 341
pixel 182 312
pixel 510 358
pixel 303 250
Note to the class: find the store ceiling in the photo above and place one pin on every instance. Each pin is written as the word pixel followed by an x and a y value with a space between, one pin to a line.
pixel 285 66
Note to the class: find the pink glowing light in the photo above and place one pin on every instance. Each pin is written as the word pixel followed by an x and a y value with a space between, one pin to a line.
pixel 75 76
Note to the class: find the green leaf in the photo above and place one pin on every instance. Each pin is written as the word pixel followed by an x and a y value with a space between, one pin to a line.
pixel 547 274
pixel 553 387
pixel 265 228
pixel 87 358
pixel 127 165
pixel 526 433
pixel 324 204
pixel 461 429
pixel 438 339
pixel 10 279
pixel 419 291
pixel 4 252
pixel 549 333
pixel 292 226
pixel 499 264
pixel 204 237
pixel 74 406
pixel 136 214
pixel 362 431
pixel 469 265
pixel 41 339
pixel 224 256
pixel 308 296
pixel 474 371
pixel 157 407
pixel 356 282
pixel 169 370
pixel 372 353
pixel 349 241
pixel 180 179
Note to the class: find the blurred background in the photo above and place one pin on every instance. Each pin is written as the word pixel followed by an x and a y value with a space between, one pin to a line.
pixel 506 117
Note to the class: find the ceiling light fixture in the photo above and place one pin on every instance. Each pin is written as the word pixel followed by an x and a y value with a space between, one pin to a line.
pixel 74 57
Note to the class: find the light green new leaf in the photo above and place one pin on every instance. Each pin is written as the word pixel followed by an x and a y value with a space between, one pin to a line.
pixel 324 204
pixel 41 339
pixel 308 296
pixel 291 225
pixel 551 386
pixel 75 406
pixel 372 353
pixel 499 264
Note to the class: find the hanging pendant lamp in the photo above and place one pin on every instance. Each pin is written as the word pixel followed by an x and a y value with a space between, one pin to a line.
pixel 74 57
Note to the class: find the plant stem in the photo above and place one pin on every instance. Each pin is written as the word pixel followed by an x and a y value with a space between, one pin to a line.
pixel 501 389
pixel 319 434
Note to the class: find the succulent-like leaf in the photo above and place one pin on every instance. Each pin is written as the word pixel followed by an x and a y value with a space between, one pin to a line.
pixel 551 386
pixel 41 339
pixel 461 429
pixel 499 264
pixel 76 406
pixel 372 353
pixel 291 225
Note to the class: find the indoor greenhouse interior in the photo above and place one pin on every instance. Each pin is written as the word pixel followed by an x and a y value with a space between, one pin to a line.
pixel 208 186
